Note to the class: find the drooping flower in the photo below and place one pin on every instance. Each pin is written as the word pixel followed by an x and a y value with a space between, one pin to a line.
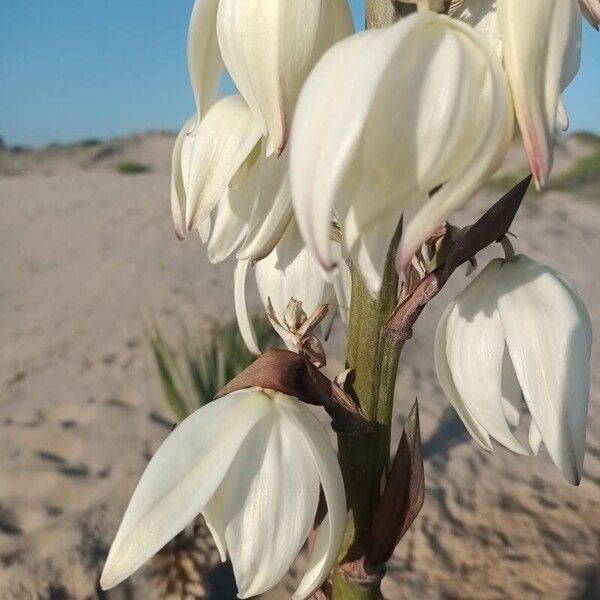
pixel 387 116
pixel 519 332
pixel 540 43
pixel 291 272
pixel 269 49
pixel 252 463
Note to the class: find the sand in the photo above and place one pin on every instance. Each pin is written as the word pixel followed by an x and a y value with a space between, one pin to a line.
pixel 87 253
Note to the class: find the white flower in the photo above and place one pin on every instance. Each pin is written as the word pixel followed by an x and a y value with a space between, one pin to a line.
pixel 289 272
pixel 519 330
pixel 385 117
pixel 252 463
pixel 540 43
pixel 269 48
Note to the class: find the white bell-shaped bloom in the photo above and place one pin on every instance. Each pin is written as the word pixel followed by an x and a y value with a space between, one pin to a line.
pixel 205 65
pixel 269 48
pixel 385 117
pixel 519 332
pixel 252 463
pixel 290 272
pixel 540 43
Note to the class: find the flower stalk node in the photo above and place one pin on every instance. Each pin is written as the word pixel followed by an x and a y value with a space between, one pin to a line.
pixel 294 375
pixel 491 227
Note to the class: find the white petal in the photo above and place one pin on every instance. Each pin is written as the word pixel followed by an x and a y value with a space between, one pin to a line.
pixel 331 530
pixel 354 151
pixel 584 315
pixel 535 438
pixel 268 502
pixel 481 128
pixel 562 116
pixel 232 218
pixel 180 479
pixel 269 48
pixel 337 20
pixel 179 176
pixel 187 148
pixel 549 343
pixel 291 271
pixel 481 15
pixel 204 58
pixel 591 11
pixel 223 140
pixel 370 252
pixel 475 349
pixel 512 398
pixel 541 41
pixel 213 516
pixel 241 307
pixel 478 433
pixel 272 209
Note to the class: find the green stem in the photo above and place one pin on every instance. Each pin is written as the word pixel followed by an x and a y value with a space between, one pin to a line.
pixel 373 357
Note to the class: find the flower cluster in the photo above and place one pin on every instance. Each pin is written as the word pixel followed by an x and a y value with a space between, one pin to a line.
pixel 304 175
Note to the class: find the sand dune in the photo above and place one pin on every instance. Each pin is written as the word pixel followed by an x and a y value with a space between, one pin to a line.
pixel 86 252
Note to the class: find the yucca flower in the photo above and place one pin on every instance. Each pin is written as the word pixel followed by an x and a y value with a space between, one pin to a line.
pixel 253 463
pixel 540 44
pixel 268 49
pixel 291 273
pixel 386 117
pixel 519 335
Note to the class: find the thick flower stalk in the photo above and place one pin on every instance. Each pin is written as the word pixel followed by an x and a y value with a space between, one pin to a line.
pixel 418 105
pixel 253 463
pixel 519 335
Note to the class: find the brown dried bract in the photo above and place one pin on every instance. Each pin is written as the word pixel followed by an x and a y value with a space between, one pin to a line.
pixel 402 497
pixel 490 228
pixel 296 329
pixel 292 374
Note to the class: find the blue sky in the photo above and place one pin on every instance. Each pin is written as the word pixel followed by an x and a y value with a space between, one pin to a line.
pixel 72 69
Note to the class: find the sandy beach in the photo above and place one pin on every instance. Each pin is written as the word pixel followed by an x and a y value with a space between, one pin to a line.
pixel 87 253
